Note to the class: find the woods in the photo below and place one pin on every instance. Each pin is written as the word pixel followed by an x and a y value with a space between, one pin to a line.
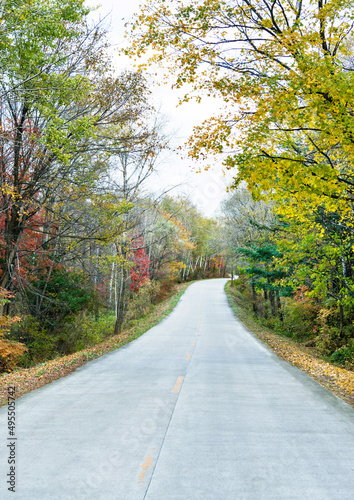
pixel 84 247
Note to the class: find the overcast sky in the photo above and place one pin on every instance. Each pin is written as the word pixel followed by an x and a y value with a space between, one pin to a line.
pixel 205 189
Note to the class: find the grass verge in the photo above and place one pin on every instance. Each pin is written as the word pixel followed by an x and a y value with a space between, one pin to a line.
pixel 336 379
pixel 26 380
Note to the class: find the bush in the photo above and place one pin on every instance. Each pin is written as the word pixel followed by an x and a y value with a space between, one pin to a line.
pixel 141 303
pixel 241 282
pixel 11 351
pixel 66 293
pixel 10 354
pixel 300 318
pixel 344 355
pixel 83 330
pixel 329 339
pixel 40 344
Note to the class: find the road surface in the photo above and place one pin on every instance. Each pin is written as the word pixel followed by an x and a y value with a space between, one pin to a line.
pixel 195 409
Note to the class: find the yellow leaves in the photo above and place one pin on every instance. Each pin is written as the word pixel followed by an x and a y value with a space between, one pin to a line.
pixel 288 128
pixel 172 269
pixel 267 23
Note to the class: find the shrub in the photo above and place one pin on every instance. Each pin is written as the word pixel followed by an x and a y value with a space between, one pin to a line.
pixel 300 318
pixel 11 351
pixel 344 355
pixel 66 293
pixel 328 339
pixel 40 344
pixel 83 330
pixel 141 303
pixel 10 354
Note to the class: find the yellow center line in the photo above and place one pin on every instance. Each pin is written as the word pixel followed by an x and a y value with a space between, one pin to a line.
pixel 189 357
pixel 194 343
pixel 178 384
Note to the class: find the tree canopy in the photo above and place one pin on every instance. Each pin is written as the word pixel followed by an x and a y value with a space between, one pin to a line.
pixel 284 71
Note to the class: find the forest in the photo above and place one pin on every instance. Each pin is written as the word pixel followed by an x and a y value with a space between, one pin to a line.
pixel 85 247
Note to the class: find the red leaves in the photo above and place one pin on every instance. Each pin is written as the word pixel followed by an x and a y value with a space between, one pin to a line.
pixel 139 273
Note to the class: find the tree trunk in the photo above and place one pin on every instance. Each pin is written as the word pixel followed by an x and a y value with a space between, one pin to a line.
pixel 122 301
pixel 111 284
pixel 280 311
pixel 272 302
pixel 341 319
pixel 254 296
pixel 189 266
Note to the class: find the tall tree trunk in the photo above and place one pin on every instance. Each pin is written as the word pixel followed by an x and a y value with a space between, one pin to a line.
pixel 341 319
pixel 272 302
pixel 122 300
pixel 280 311
pixel 254 296
pixel 111 286
pixel 189 266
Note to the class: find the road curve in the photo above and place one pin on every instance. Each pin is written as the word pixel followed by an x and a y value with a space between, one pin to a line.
pixel 195 409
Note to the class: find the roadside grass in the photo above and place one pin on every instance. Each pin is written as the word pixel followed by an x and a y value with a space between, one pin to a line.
pixel 26 380
pixel 338 380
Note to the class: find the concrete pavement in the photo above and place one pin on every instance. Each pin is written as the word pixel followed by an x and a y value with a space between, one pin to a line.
pixel 196 409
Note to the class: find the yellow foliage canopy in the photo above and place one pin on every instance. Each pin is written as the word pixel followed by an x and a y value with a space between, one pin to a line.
pixel 284 71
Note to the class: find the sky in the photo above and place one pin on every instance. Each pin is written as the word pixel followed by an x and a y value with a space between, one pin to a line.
pixel 206 189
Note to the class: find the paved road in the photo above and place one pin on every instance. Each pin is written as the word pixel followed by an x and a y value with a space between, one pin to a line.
pixel 196 409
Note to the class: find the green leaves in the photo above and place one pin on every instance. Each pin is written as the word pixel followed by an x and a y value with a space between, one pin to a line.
pixel 30 32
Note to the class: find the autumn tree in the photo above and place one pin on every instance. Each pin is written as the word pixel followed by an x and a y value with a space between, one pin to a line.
pixel 134 156
pixel 139 272
pixel 281 69
pixel 186 242
pixel 10 350
pixel 321 259
pixel 59 96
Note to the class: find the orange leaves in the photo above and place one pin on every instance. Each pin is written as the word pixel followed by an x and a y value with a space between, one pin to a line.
pixel 10 351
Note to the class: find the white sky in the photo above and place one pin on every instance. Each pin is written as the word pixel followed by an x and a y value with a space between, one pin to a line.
pixel 205 189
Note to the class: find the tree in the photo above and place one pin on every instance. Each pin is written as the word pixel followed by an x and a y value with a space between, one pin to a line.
pixel 59 98
pixel 139 272
pixel 320 257
pixel 266 275
pixel 134 156
pixel 280 68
